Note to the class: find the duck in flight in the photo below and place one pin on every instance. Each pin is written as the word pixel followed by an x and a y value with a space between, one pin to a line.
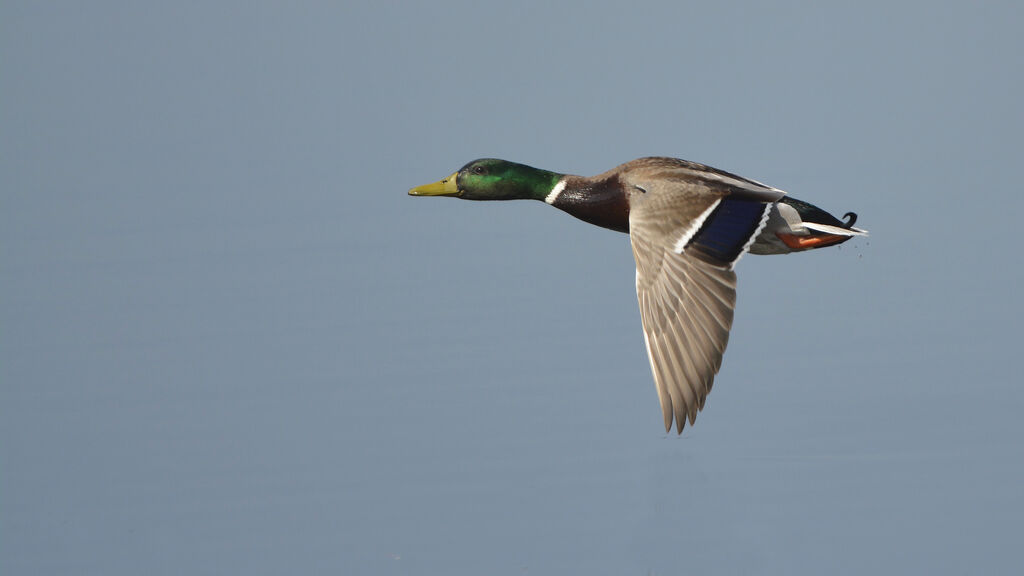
pixel 689 224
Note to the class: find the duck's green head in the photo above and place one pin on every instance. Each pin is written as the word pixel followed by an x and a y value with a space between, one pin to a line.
pixel 493 179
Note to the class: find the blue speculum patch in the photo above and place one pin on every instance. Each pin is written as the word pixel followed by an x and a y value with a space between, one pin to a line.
pixel 727 230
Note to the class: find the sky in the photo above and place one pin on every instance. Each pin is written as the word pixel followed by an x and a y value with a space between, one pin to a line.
pixel 231 343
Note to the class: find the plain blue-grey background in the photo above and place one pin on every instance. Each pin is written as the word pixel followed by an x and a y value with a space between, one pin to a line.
pixel 230 343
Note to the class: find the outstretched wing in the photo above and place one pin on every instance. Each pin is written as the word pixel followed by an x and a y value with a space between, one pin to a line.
pixel 686 238
pixel 686 306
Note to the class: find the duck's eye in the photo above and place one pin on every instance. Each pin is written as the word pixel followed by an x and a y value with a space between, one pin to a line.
pixel 479 170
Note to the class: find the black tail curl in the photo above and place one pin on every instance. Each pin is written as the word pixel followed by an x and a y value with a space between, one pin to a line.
pixel 852 216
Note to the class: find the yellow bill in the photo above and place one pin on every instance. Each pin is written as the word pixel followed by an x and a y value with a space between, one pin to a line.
pixel 445 187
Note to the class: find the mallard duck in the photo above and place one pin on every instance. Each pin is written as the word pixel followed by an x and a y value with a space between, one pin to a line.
pixel 689 224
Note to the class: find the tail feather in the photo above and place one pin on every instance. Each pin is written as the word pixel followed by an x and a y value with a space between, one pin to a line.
pixel 839 231
pixel 796 226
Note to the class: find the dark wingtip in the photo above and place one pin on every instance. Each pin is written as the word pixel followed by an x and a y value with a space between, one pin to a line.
pixel 852 216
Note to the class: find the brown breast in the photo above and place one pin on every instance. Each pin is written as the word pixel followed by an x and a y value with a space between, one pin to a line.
pixel 600 202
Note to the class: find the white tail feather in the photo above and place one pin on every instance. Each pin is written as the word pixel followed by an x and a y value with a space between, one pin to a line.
pixel 834 229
